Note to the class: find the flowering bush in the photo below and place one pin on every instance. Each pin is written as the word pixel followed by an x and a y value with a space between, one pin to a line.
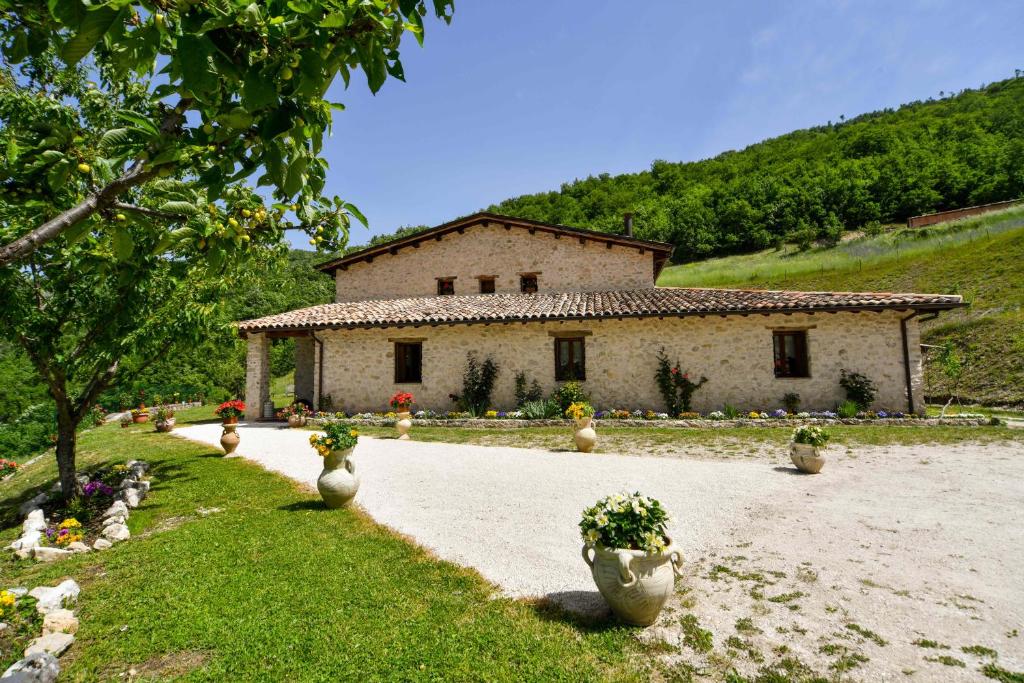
pixel 716 415
pixel 779 412
pixel 579 410
pixel 97 488
pixel 689 415
pixel 97 415
pixel 7 600
pixel 229 409
pixel 297 409
pixel 66 533
pixel 628 521
pixel 136 412
pixel 491 414
pixel 810 435
pixel 754 415
pixel 337 436
pixel 7 467
pixel 163 414
pixel 402 399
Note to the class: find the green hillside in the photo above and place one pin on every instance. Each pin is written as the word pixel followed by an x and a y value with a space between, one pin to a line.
pixel 812 184
pixel 980 259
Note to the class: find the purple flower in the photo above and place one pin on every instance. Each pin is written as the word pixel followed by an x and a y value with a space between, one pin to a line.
pixel 882 413
pixel 95 486
pixel 779 412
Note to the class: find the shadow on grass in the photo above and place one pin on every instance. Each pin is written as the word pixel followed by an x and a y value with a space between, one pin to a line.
pixel 306 505
pixel 583 610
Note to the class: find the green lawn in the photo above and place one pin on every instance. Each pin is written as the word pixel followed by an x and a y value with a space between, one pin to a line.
pixel 279 389
pixel 275 587
pixel 724 442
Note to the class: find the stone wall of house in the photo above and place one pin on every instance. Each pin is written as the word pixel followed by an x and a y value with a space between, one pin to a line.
pixel 734 353
pixel 562 264
pixel 257 374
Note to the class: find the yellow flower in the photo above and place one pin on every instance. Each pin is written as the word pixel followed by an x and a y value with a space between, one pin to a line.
pixel 353 433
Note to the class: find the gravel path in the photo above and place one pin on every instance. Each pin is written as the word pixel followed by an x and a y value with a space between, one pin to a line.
pixel 512 513
pixel 888 564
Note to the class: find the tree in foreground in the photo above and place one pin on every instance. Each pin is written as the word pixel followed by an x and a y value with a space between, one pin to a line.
pixel 130 134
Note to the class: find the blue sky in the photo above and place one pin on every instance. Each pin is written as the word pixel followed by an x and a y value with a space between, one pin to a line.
pixel 518 97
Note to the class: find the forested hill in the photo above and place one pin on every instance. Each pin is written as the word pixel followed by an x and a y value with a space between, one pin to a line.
pixel 811 184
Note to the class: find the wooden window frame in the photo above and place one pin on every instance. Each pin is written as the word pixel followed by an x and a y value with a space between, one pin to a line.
pixel 490 283
pixel 802 357
pixel 401 349
pixel 524 278
pixel 442 283
pixel 570 343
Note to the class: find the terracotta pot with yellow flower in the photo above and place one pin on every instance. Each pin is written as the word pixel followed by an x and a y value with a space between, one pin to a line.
pixel 338 482
pixel 634 562
pixel 582 414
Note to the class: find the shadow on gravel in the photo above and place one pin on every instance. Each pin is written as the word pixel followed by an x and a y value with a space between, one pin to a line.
pixel 790 470
pixel 585 610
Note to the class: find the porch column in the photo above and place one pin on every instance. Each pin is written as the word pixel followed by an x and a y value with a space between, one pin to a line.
pixel 257 375
pixel 305 361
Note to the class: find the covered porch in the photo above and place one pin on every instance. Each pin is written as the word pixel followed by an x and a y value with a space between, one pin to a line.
pixel 258 403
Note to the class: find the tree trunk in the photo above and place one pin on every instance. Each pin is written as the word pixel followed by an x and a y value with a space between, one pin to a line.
pixel 66 437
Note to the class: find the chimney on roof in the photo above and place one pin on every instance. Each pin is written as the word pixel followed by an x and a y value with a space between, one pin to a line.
pixel 627 224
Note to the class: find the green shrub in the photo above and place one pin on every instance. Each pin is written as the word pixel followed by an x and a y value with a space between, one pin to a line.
pixel 545 409
pixel 477 385
pixel 567 394
pixel 791 401
pixel 859 388
pixel 731 412
pixel 847 409
pixel 675 386
pixel 526 392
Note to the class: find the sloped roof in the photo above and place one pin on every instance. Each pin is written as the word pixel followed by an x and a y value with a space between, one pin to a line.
pixel 633 303
pixel 661 250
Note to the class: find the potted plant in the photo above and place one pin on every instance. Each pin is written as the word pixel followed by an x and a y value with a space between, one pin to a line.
pixel 230 411
pixel 126 420
pixel 582 415
pixel 805 450
pixel 164 419
pixel 140 414
pixel 400 403
pixel 338 482
pixel 296 414
pixel 634 562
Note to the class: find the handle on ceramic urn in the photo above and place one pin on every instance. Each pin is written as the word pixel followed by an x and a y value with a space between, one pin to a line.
pixel 586 556
pixel 350 466
pixel 676 559
pixel 626 576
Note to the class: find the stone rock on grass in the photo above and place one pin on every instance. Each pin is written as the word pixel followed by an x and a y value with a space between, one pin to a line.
pixel 29 540
pixel 78 547
pixel 53 643
pixel 18 592
pixel 138 467
pixel 116 532
pixel 101 544
pixel 45 553
pixel 131 497
pixel 39 668
pixel 60 621
pixel 33 503
pixel 115 519
pixel 35 521
pixel 142 486
pixel 118 508
pixel 49 599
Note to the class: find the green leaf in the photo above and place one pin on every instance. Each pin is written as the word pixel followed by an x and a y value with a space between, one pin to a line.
pixel 296 176
pixel 198 72
pixel 114 138
pixel 186 208
pixel 351 208
pixel 237 118
pixel 123 244
pixel 96 22
pixel 143 123
pixel 258 92
pixel 18 49
pixel 58 174
pixel 336 20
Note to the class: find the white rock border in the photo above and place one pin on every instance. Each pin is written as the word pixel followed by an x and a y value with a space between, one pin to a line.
pixel 131 492
pixel 60 624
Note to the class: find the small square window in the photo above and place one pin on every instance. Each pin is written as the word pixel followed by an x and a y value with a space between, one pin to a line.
pixel 445 286
pixel 570 359
pixel 528 284
pixel 487 285
pixel 790 354
pixel 408 362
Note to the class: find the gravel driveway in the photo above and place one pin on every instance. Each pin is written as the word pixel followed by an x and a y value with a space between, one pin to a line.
pixel 888 564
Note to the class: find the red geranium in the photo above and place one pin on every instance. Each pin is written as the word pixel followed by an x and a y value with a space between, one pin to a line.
pixel 233 408
pixel 401 399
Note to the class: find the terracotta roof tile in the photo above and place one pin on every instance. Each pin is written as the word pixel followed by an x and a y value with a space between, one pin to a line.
pixel 656 301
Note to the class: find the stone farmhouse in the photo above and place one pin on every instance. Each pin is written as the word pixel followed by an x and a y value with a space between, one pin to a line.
pixel 558 303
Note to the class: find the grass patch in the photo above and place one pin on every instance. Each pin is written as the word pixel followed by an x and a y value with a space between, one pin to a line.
pixel 1000 674
pixel 746 625
pixel 868 633
pixel 980 651
pixel 931 644
pixel 787 597
pixel 946 660
pixel 696 638
pixel 275 587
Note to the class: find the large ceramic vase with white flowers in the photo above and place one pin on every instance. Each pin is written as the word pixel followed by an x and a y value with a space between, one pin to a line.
pixel 631 557
pixel 338 483
pixel 807 449
pixel 636 584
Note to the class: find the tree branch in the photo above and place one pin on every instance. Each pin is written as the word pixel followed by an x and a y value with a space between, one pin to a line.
pixel 152 213
pixel 97 201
